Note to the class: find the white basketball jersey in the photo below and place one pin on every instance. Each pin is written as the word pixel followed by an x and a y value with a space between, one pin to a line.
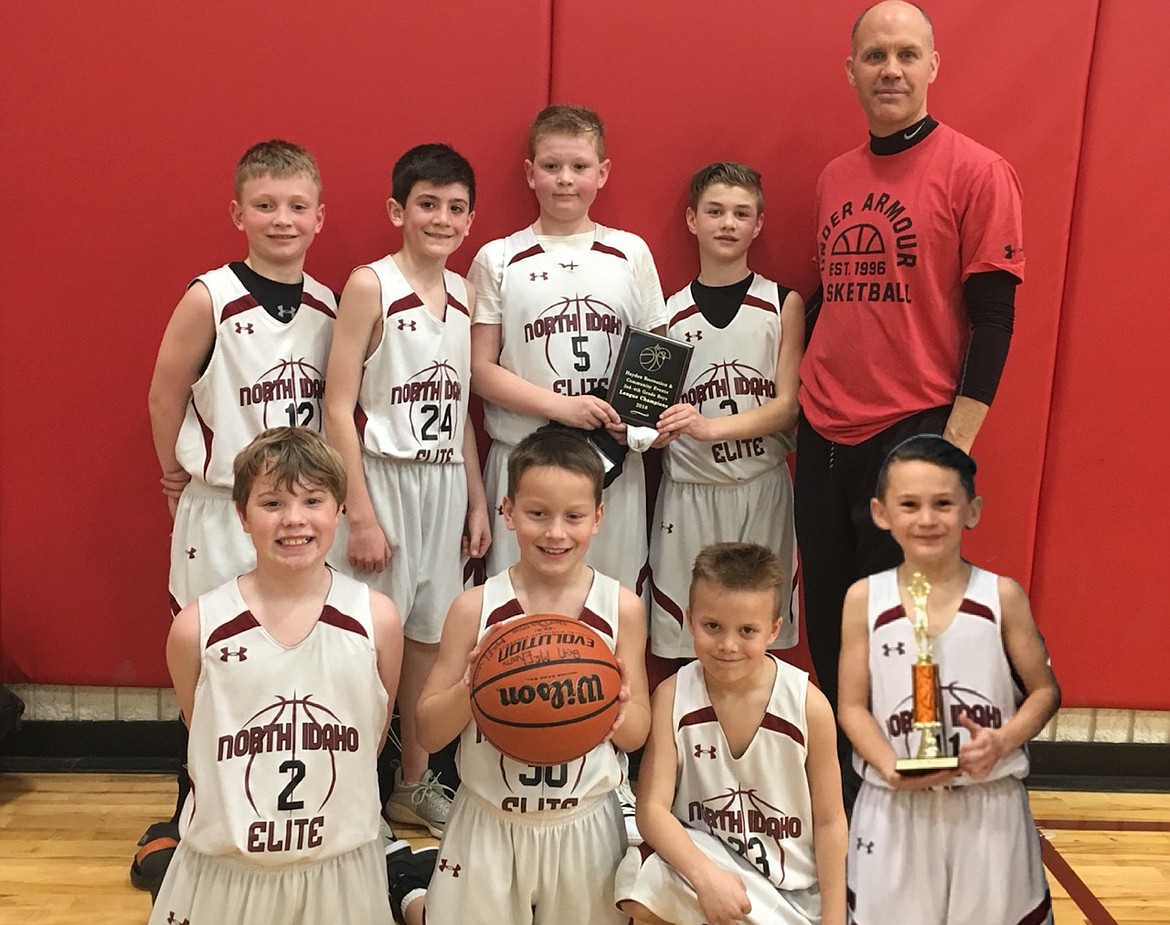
pixel 412 405
pixel 732 369
pixel 262 373
pixel 565 313
pixel 511 785
pixel 284 739
pixel 759 803
pixel 974 672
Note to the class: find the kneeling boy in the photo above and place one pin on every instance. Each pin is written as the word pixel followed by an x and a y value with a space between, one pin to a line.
pixel 740 795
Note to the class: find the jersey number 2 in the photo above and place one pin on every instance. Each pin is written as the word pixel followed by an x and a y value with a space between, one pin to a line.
pixel 285 800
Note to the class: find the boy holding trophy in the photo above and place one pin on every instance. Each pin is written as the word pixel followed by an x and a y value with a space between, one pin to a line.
pixel 944 680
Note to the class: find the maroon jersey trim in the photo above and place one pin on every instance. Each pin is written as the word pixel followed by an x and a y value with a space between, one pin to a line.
pixel 505 612
pixel 406 303
pixel 1040 913
pixel 599 623
pixel 757 302
pixel 236 306
pixel 524 255
pixel 240 623
pixel 976 609
pixel 360 420
pixel 311 301
pixel 894 613
pixel 334 617
pixel 775 723
pixel 456 304
pixel 208 438
pixel 667 604
pixel 684 315
pixel 698 717
pixel 606 249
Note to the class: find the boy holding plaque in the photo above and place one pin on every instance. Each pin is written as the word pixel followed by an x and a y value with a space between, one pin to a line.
pixel 554 300
pixel 954 846
pixel 724 473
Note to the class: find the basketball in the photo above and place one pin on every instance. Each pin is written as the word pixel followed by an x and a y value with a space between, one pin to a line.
pixel 544 689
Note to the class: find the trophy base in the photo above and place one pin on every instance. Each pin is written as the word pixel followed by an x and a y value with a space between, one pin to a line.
pixel 912 766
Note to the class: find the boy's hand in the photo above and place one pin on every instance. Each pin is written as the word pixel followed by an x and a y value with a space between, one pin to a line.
pixel 623 699
pixel 367 548
pixel 722 897
pixel 472 658
pixel 978 756
pixel 684 418
pixel 477 535
pixel 173 483
pixel 586 412
pixel 917 781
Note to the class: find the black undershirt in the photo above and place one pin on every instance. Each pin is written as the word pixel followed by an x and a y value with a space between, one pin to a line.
pixel 902 140
pixel 718 304
pixel 280 300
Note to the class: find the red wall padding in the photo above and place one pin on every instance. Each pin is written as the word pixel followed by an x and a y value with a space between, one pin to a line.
pixel 121 132
pixel 120 136
pixel 1102 558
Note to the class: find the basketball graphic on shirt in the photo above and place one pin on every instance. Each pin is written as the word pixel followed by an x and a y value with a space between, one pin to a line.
pixel 290 749
pixel 862 239
pixel 289 392
pixel 730 386
pixel 752 820
pixel 577 331
pixel 432 395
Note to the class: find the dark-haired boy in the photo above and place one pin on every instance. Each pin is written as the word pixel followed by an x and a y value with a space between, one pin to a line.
pixel 399 370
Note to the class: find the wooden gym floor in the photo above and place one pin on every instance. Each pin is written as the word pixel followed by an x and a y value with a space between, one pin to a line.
pixel 66 841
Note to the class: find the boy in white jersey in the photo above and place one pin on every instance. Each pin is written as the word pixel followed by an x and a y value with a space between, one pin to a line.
pixel 534 844
pixel 284 675
pixel 739 795
pixel 554 301
pixel 724 472
pixel 399 370
pixel 955 847
pixel 245 349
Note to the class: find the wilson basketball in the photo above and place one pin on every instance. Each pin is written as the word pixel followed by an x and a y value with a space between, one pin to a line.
pixel 544 689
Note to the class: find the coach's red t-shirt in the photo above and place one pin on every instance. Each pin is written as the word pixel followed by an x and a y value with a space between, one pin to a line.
pixel 897 236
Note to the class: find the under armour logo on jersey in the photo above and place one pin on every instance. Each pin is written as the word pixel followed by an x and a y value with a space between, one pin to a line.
pixel 570 266
pixel 693 335
pixel 1009 252
pixel 285 311
pixel 534 276
pixel 172 919
pixel 887 649
pixel 866 846
pixel 403 324
pixel 241 653
pixel 242 328
pixel 445 867
pixel 668 528
pixel 709 749
pixel 191 552
pixel 500 508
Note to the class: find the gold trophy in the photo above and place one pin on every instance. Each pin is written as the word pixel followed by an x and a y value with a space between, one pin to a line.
pixel 928 711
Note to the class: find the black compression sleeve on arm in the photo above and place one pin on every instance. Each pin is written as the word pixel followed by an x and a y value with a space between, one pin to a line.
pixel 991 308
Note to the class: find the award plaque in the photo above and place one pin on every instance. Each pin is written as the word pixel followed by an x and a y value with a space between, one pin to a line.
pixel 648 376
pixel 927 703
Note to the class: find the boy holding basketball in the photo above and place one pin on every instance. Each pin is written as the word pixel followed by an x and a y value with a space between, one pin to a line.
pixel 554 300
pixel 244 349
pixel 724 476
pixel 400 369
pixel 282 824
pixel 535 843
pixel 951 846
pixel 739 797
